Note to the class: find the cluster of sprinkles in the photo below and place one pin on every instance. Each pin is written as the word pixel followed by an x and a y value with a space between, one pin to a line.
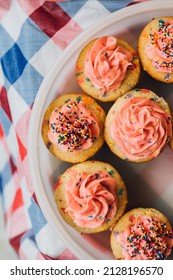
pixel 150 242
pixel 163 39
pixel 71 129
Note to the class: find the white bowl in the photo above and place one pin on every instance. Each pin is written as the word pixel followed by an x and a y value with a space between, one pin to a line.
pixel 149 184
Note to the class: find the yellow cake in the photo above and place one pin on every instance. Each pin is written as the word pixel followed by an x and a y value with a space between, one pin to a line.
pixel 138 126
pixel 91 196
pixel 72 127
pixel 107 67
pixel 155 48
pixel 142 234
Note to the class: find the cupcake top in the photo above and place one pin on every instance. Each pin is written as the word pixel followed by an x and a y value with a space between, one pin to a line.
pixel 155 48
pixel 144 237
pixel 160 46
pixel 73 127
pixel 91 198
pixel 139 126
pixel 107 67
pixel 106 63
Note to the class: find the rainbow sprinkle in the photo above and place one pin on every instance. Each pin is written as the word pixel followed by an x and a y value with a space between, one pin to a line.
pixel 152 243
pixel 72 130
pixel 163 39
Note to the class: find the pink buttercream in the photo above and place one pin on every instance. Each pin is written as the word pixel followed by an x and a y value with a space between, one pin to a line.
pixel 106 63
pixel 73 127
pixel 141 128
pixel 145 239
pixel 91 198
pixel 160 47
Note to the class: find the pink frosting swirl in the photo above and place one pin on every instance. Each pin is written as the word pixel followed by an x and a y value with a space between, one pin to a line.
pixel 146 239
pixel 73 127
pixel 159 47
pixel 106 63
pixel 141 128
pixel 91 198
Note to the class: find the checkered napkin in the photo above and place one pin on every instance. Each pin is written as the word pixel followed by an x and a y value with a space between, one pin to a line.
pixel 33 34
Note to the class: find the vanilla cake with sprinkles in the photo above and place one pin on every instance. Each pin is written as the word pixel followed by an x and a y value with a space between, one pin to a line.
pixel 107 67
pixel 72 127
pixel 91 196
pixel 138 126
pixel 142 234
pixel 155 48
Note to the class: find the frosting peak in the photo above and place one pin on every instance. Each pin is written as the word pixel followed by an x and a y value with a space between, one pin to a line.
pixel 146 239
pixel 159 47
pixel 106 63
pixel 73 127
pixel 141 128
pixel 91 198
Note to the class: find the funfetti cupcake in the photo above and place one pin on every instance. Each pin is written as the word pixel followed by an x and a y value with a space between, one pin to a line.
pixel 138 126
pixel 90 196
pixel 107 67
pixel 155 48
pixel 142 234
pixel 72 127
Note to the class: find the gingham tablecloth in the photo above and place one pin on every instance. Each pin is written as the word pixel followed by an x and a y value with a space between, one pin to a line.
pixel 33 34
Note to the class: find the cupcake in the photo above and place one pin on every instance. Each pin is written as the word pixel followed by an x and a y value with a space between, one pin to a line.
pixel 155 48
pixel 107 67
pixel 138 126
pixel 90 196
pixel 142 234
pixel 72 127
